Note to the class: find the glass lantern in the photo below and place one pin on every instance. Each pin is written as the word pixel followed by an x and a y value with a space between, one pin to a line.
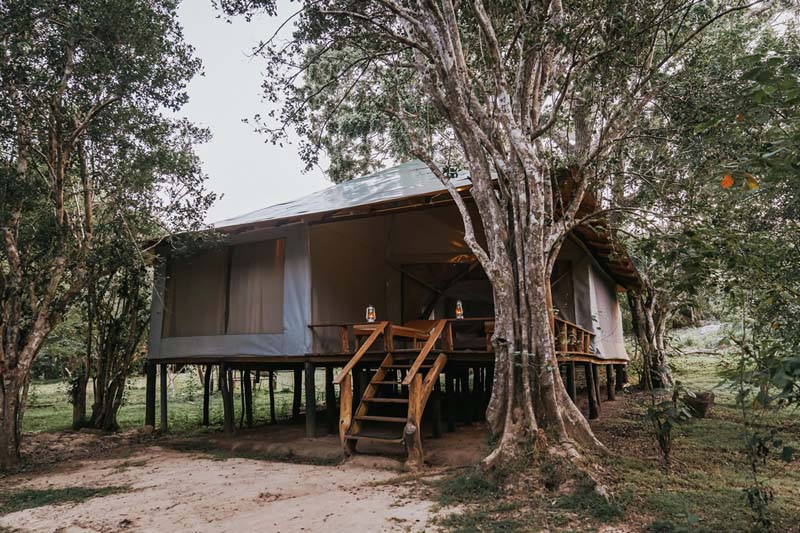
pixel 459 310
pixel 371 315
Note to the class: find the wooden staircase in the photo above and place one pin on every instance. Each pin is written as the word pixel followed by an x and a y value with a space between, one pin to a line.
pixel 390 409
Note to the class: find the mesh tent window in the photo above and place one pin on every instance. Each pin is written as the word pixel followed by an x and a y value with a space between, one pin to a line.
pixel 256 288
pixel 195 295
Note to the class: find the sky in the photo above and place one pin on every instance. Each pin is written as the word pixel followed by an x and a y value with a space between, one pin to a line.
pixel 243 169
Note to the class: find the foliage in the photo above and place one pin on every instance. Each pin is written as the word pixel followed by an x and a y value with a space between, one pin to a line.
pixel 665 414
pixel 90 163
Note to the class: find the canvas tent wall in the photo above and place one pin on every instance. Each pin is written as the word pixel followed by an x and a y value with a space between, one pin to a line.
pixel 584 294
pixel 246 298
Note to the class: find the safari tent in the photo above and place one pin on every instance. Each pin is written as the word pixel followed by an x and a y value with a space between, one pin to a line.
pixel 290 285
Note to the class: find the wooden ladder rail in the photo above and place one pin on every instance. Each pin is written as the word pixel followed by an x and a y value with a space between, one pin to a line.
pixel 345 380
pixel 418 393
pixel 434 335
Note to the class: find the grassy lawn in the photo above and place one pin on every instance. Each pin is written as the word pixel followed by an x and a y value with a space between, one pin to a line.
pixel 49 410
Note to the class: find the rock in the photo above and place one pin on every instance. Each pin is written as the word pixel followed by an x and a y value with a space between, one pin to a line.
pixel 700 404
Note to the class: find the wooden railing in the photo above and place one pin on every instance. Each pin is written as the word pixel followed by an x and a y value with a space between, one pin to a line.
pixel 419 391
pixel 433 336
pixel 572 339
pixel 345 380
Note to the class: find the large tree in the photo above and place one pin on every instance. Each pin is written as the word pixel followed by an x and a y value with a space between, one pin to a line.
pixel 82 86
pixel 529 97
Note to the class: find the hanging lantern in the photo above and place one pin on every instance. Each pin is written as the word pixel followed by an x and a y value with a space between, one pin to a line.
pixel 371 315
pixel 459 309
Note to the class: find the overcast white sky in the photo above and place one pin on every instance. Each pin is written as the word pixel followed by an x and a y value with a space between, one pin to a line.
pixel 249 173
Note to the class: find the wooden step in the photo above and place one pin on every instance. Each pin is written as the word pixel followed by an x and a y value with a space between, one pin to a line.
pixel 376 438
pixel 393 367
pixel 372 418
pixel 386 400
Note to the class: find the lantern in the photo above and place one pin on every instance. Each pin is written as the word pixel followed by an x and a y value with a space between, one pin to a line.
pixel 371 313
pixel 459 310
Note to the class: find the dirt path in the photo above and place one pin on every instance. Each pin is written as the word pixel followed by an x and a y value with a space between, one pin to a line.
pixel 175 491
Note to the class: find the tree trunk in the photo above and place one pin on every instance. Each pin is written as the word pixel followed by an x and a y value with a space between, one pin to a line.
pixel 78 397
pixel 649 327
pixel 11 406
pixel 529 401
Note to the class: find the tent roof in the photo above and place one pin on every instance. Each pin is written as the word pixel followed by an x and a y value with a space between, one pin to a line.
pixel 408 185
pixel 412 179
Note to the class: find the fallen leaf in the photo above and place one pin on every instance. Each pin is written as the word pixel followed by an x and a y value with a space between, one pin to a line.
pixel 751 182
pixel 739 118
pixel 727 181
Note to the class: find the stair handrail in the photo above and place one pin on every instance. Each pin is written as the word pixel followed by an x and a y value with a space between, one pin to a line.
pixel 434 335
pixel 379 329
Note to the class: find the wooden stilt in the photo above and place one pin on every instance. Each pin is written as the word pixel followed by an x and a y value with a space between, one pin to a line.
pixel 311 401
pixel 610 383
pixel 150 395
pixel 206 394
pixel 331 416
pixel 164 424
pixel 596 379
pixel 298 392
pixel 436 408
pixel 570 367
pixel 477 394
pixel 247 391
pixel 489 386
pixel 272 416
pixel 591 392
pixel 356 386
pixel 450 398
pixel 227 399
pixel 466 397
pixel 622 377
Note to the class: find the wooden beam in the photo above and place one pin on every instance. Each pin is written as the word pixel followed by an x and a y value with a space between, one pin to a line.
pixel 150 395
pixel 271 377
pixel 610 385
pixel 591 392
pixel 247 391
pixel 206 394
pixel 331 418
pixel 297 392
pixel 163 387
pixel 311 401
pixel 571 380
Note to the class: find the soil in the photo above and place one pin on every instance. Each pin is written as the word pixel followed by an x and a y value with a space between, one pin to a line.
pixel 178 491
pixel 209 482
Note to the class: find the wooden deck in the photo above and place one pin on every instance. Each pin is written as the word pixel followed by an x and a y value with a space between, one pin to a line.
pixel 389 374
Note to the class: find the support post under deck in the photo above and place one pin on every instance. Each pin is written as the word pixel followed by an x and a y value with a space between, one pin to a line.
pixel 331 415
pixel 610 383
pixel 163 387
pixel 591 392
pixel 311 403
pixel 150 395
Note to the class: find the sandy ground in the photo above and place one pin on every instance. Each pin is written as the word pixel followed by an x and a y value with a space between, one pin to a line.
pixel 175 491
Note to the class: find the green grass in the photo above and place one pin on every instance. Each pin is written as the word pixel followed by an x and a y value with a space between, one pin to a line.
pixel 703 490
pixel 48 408
pixel 19 500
